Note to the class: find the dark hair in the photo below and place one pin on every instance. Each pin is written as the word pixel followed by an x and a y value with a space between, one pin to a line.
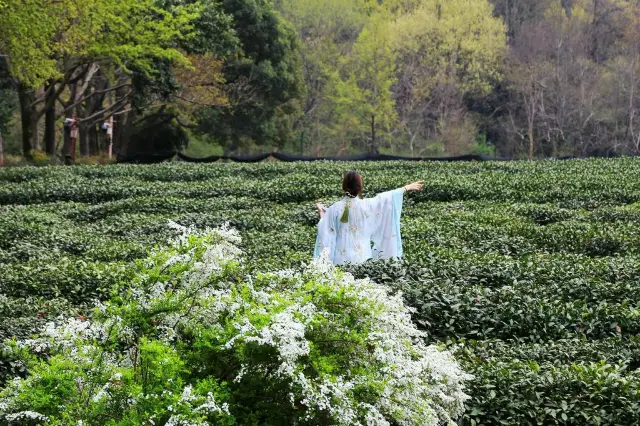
pixel 352 184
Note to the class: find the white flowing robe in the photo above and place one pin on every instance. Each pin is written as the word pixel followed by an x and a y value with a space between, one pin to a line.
pixel 372 231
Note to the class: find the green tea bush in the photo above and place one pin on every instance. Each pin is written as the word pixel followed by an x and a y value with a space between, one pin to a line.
pixel 527 271
pixel 528 393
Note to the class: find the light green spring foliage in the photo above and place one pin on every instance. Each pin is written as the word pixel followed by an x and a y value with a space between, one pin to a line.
pixel 361 89
pixel 41 40
pixel 354 51
pixel 327 30
pixel 26 30
pixel 458 40
pixel 193 341
pixel 140 32
pixel 338 20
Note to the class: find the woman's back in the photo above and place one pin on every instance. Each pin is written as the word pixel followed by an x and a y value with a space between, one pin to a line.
pixel 353 238
pixel 369 229
pixel 356 229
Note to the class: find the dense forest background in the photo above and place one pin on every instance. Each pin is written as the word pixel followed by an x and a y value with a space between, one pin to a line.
pixel 514 78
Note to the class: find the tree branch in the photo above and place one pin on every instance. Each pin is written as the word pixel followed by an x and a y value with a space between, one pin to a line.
pixel 97 92
pixel 120 103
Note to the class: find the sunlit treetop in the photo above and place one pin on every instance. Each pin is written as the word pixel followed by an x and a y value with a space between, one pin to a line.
pixel 42 40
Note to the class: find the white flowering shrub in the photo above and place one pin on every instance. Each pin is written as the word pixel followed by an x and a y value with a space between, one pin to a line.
pixel 194 341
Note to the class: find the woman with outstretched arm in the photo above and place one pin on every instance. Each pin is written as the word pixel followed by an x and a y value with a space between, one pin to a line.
pixel 356 229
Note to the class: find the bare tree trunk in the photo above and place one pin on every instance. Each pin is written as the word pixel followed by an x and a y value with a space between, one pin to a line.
pixel 1 150
pixel 50 131
pixel 28 119
pixel 50 122
pixel 94 140
pixel 126 146
pixel 37 141
pixel 67 144
pixel 83 140
pixel 631 106
pixel 530 105
pixel 531 145
pixel 118 137
pixel 83 135
pixel 507 18
pixel 122 131
pixel 374 148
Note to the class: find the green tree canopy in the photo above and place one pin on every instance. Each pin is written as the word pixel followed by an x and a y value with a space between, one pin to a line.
pixel 263 78
pixel 42 39
pixel 453 38
pixel 361 90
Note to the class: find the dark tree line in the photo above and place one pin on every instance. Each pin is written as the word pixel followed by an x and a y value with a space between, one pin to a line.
pixel 516 78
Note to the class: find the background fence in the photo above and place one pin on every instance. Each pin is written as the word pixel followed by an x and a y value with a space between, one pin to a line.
pixel 255 158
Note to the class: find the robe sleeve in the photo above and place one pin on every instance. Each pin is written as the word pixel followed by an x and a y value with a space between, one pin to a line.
pixel 387 209
pixel 327 235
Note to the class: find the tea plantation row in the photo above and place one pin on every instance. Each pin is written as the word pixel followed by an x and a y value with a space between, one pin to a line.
pixel 530 271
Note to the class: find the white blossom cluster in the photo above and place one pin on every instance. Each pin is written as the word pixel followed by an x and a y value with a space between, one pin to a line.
pixel 416 384
pixel 196 282
pixel 422 384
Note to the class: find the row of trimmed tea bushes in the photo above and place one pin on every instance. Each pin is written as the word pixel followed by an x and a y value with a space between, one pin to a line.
pixel 455 308
pixel 518 238
pixel 572 184
pixel 509 392
pixel 83 190
pixel 456 213
pixel 508 315
pixel 492 213
pixel 121 236
pixel 566 277
pixel 494 270
pixel 96 191
pixel 133 224
pixel 165 205
pixel 74 279
pixel 612 350
pixel 469 227
pixel 519 229
pixel 569 170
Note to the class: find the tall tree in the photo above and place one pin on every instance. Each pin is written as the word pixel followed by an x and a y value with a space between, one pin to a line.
pixel 8 103
pixel 631 76
pixel 450 51
pixel 515 13
pixel 263 79
pixel 362 88
pixel 327 29
pixel 170 99
pixel 58 42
